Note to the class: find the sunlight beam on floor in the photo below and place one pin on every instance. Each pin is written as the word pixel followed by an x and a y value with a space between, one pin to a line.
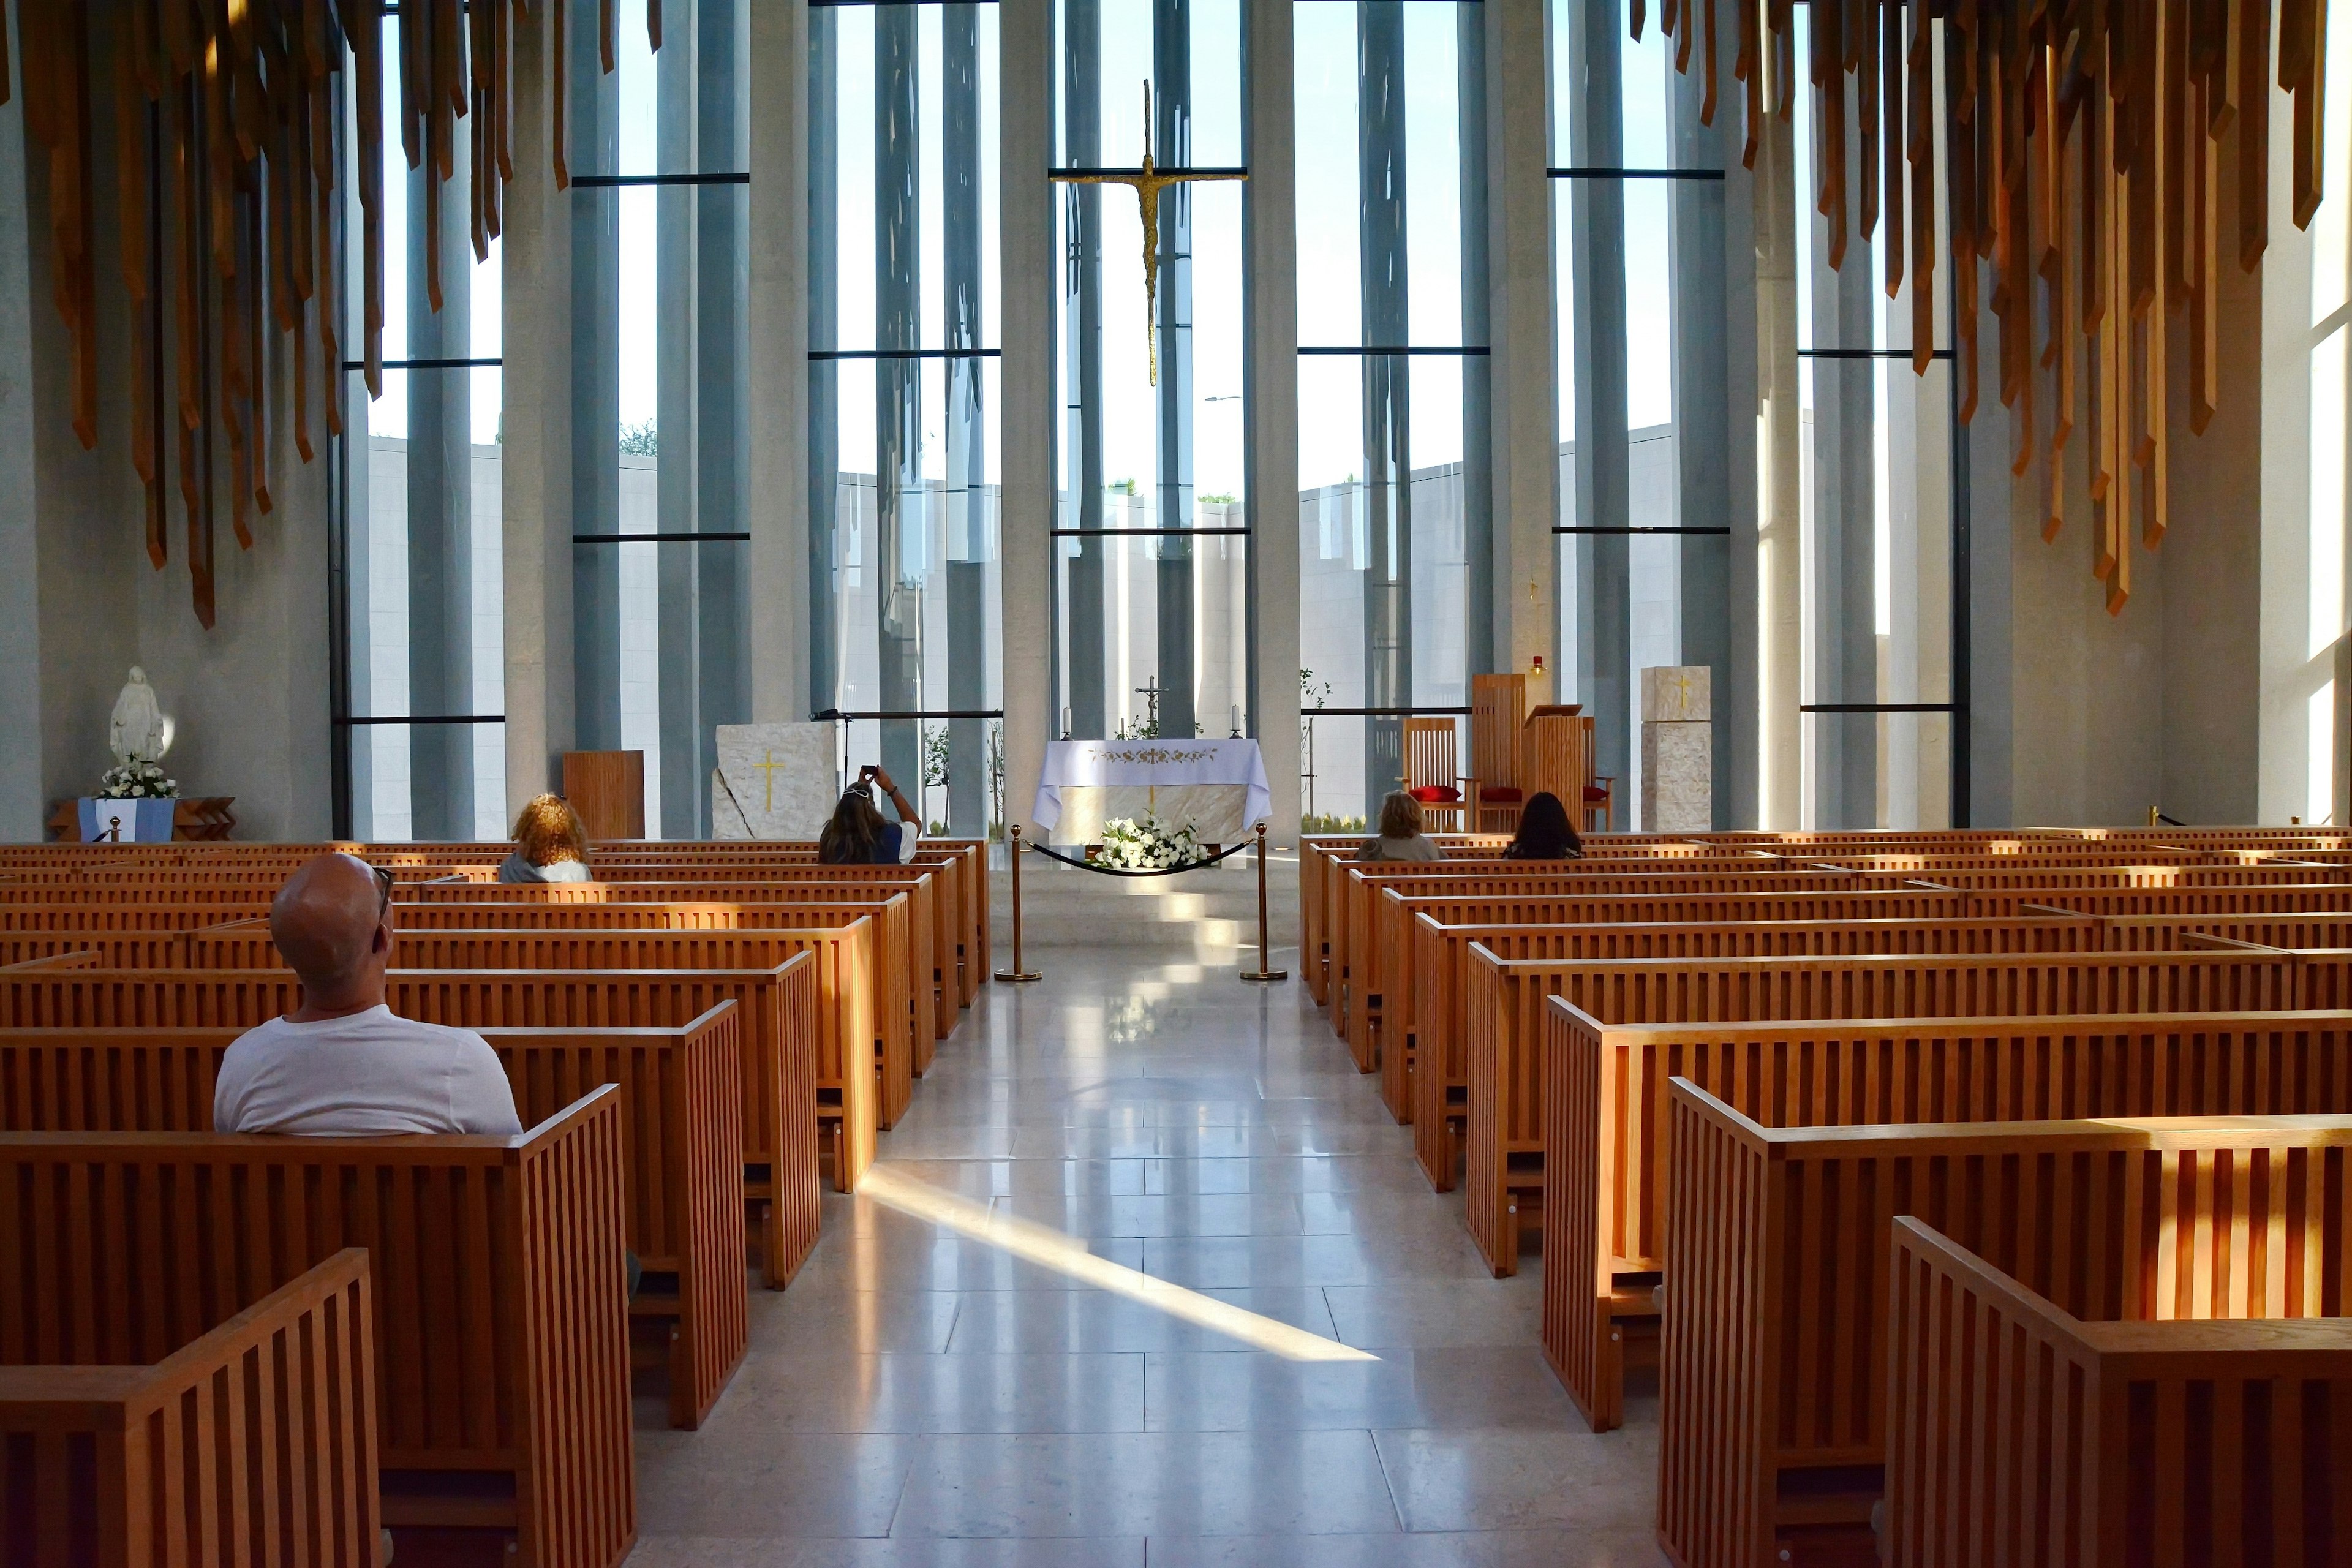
pixel 1050 1249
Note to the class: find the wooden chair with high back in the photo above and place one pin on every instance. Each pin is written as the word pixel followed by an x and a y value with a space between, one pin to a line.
pixel 1557 754
pixel 1498 707
pixel 1432 773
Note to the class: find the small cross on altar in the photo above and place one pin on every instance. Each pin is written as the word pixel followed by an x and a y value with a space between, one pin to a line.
pixel 1149 692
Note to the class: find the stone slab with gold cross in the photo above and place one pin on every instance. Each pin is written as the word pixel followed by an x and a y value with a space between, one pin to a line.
pixel 774 780
pixel 1677 748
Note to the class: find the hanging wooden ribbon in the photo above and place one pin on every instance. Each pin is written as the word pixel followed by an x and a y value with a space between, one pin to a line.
pixel 2081 154
pixel 225 157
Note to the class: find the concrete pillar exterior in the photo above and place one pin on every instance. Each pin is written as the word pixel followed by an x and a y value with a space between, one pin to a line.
pixel 1778 567
pixel 1271 228
pixel 536 457
pixel 1024 128
pixel 1519 271
pixel 776 509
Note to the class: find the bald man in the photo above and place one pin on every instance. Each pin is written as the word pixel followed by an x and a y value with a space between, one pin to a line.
pixel 342 1064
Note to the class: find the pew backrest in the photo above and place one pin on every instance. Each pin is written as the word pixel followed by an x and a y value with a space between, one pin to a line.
pixel 496 1264
pixel 273 1410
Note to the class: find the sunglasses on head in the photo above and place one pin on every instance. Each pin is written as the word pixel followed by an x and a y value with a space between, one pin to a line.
pixel 384 882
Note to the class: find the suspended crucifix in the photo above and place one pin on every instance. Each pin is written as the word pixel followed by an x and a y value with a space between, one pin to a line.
pixel 1149 182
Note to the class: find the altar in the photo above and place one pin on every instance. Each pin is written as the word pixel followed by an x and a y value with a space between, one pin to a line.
pixel 1217 786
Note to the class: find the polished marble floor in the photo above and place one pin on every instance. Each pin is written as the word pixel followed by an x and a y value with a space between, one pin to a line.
pixel 1147 1277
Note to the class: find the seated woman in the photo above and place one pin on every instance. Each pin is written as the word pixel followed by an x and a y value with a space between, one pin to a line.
pixel 1544 833
pixel 858 835
pixel 550 844
pixel 1400 837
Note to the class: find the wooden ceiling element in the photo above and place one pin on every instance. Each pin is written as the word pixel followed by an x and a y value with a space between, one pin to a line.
pixel 2081 146
pixel 228 119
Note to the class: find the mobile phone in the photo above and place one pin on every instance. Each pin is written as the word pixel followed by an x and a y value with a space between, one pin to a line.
pixel 869 771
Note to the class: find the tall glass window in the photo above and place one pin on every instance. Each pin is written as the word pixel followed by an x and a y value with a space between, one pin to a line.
pixel 660 267
pixel 1150 560
pixel 904 464
pixel 419 716
pixel 1621 545
pixel 1396 500
pixel 1875 480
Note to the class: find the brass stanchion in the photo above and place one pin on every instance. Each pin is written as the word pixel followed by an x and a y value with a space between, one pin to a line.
pixel 1263 972
pixel 1018 974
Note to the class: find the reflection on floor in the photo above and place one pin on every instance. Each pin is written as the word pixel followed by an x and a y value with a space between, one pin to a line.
pixel 1147 1276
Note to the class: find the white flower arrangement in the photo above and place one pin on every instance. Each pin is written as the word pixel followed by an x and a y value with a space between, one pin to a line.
pixel 138 780
pixel 1149 846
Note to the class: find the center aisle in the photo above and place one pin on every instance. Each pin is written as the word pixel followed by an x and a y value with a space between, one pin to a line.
pixel 1339 1381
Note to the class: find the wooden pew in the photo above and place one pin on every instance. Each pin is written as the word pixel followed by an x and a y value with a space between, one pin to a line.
pixel 1607 1176
pixel 1393 987
pixel 1440 997
pixel 895 1020
pixel 681 1136
pixel 779 1021
pixel 918 883
pixel 103 1430
pixel 497 1280
pixel 1509 982
pixel 2103 1442
pixel 1774 1361
pixel 1351 933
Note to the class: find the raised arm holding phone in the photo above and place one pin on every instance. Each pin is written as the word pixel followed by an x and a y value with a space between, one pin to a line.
pixel 859 836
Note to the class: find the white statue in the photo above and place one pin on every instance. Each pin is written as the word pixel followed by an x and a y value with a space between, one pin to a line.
pixel 141 730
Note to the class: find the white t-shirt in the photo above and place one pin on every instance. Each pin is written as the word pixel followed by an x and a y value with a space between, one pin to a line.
pixel 369 1073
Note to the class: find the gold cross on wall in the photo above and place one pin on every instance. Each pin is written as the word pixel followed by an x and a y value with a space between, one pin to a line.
pixel 1149 182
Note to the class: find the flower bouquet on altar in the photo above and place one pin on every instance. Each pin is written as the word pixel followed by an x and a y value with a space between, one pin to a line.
pixel 138 779
pixel 1149 846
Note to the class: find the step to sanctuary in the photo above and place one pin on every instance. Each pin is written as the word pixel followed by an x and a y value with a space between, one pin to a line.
pixel 1210 912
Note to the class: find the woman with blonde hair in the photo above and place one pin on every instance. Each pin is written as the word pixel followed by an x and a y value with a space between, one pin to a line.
pixel 1401 835
pixel 550 844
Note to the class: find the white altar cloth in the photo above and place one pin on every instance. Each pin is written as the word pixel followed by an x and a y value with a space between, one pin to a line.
pixel 1122 770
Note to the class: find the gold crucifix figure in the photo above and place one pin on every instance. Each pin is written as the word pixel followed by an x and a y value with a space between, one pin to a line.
pixel 1149 182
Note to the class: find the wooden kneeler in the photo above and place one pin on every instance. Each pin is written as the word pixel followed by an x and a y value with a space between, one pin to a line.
pixel 681 1126
pixel 497 1269
pixel 105 1426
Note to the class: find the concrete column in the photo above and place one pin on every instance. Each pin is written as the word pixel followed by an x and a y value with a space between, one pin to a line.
pixel 440 507
pixel 1778 567
pixel 1270 228
pixel 1845 526
pixel 1172 139
pixel 1387 397
pixel 593 325
pixel 722 398
pixel 536 457
pixel 898 488
pixel 969 519
pixel 786 581
pixel 1477 331
pixel 1028 266
pixel 1713 263
pixel 1520 312
pixel 1597 234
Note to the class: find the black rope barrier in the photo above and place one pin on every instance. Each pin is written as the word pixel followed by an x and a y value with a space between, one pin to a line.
pixel 1035 848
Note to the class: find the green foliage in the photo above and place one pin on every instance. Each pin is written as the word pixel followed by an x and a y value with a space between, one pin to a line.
pixel 641 440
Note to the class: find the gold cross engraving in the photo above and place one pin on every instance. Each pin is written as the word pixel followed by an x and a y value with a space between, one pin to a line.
pixel 1149 182
pixel 767 765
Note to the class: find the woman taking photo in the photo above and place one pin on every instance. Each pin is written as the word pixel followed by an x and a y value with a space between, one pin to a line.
pixel 550 844
pixel 858 835
pixel 1544 833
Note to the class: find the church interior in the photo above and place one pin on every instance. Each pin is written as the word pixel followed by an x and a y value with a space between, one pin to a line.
pixel 1729 945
